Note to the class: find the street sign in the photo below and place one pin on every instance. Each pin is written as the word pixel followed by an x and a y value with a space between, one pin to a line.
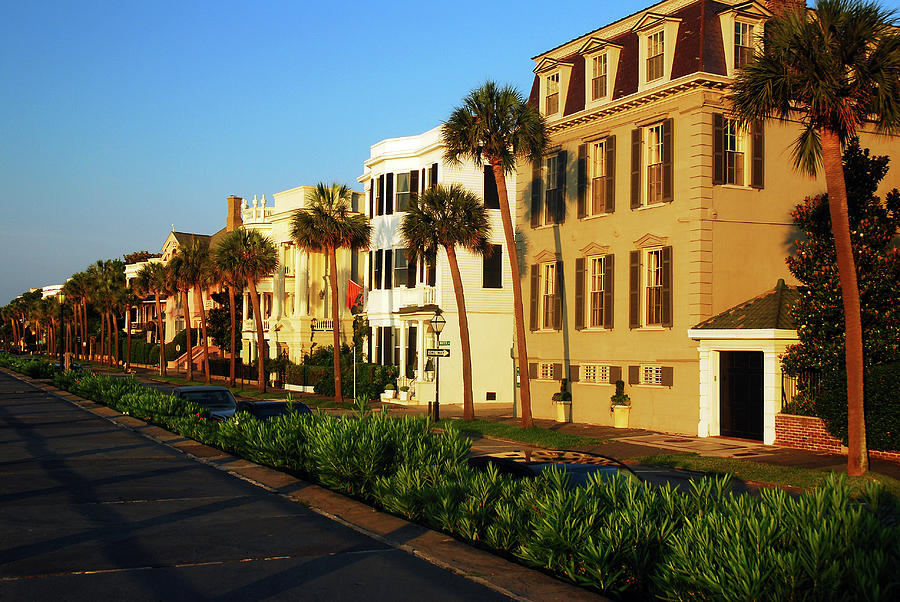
pixel 443 343
pixel 437 353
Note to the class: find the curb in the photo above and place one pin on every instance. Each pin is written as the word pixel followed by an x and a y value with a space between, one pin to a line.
pixel 505 577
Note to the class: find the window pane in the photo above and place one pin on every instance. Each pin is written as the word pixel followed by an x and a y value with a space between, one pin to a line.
pixel 400 263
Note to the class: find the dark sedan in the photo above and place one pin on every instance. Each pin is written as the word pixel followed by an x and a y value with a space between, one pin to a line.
pixel 218 400
pixel 271 409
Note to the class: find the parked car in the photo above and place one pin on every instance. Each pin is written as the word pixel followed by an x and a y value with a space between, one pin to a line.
pixel 270 409
pixel 579 467
pixel 218 400
pixel 72 366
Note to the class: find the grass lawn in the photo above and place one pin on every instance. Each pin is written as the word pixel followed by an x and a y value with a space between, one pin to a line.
pixel 533 436
pixel 771 474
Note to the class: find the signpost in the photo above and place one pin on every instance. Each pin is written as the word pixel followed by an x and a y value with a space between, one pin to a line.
pixel 443 343
pixel 437 353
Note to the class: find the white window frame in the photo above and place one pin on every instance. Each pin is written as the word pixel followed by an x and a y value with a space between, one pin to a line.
pixel 744 38
pixel 651 287
pixel 650 375
pixel 591 52
pixel 597 179
pixel 399 257
pixel 594 283
pixel 736 158
pixel 551 179
pixel 652 165
pixel 594 374
pixel 656 51
pixel 398 193
pixel 552 88
pixel 547 283
pixel 648 41
pixel 600 72
pixel 546 371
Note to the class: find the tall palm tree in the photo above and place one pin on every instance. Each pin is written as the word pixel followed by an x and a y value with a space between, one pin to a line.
pixel 199 274
pixel 325 225
pixel 836 71
pixel 448 218
pixel 223 259
pixel 151 279
pixel 180 280
pixel 250 257
pixel 129 299
pixel 495 125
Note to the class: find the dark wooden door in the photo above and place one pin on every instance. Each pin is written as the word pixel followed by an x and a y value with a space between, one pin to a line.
pixel 741 394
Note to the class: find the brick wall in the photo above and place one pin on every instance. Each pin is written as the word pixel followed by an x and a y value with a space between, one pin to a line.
pixel 809 432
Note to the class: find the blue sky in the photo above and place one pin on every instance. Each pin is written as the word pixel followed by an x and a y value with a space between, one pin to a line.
pixel 119 119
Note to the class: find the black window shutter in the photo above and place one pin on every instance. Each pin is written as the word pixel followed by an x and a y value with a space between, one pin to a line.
pixel 557 372
pixel 561 168
pixel 536 193
pixel 424 183
pixel 371 267
pixel 378 346
pixel 414 184
pixel 369 355
pixel 635 168
pixel 668 152
pixel 389 195
pixel 388 269
pixel 388 340
pixel 718 148
pixel 380 195
pixel 491 197
pixel 758 146
pixel 634 289
pixel 431 272
pixel 532 371
pixel 379 262
pixel 560 288
pixel 667 286
pixel 579 293
pixel 582 180
pixel 535 295
pixel 611 174
pixel 668 376
pixel 434 175
pixel 609 280
pixel 574 373
pixel 372 198
pixel 411 273
pixel 634 375
pixel 615 373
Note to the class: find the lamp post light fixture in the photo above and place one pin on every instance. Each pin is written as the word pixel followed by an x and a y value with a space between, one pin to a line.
pixel 437 325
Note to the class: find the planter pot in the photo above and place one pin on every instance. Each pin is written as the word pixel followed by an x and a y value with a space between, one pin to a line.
pixel 389 394
pixel 620 416
pixel 403 395
pixel 563 411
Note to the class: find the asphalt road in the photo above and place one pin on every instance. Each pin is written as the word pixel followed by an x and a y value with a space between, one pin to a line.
pixel 89 510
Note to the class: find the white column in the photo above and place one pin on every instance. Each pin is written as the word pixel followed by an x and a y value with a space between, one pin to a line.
pixel 303 282
pixel 298 276
pixel 705 390
pixel 403 348
pixel 278 289
pixel 421 345
pixel 771 393
pixel 245 310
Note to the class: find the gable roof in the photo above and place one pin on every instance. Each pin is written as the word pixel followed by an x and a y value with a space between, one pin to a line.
pixel 770 310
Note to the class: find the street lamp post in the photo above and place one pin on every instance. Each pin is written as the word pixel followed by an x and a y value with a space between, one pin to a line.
pixel 59 343
pixel 437 325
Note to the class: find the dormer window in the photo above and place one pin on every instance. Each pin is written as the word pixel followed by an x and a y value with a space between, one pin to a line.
pixel 743 44
pixel 598 77
pixel 655 55
pixel 552 103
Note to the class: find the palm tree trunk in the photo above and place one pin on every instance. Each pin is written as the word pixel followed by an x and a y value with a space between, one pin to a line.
pixel 115 323
pixel 857 455
pixel 509 235
pixel 468 403
pixel 160 335
pixel 75 319
pixel 68 336
pixel 128 334
pixel 187 332
pixel 231 311
pixel 102 337
pixel 84 336
pixel 260 341
pixel 205 340
pixel 336 329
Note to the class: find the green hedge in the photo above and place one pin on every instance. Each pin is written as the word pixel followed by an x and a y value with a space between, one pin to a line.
pixel 142 352
pixel 623 538
pixel 882 406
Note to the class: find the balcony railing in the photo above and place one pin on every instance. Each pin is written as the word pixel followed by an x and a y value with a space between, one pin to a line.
pixel 251 324
pixel 322 325
pixel 429 296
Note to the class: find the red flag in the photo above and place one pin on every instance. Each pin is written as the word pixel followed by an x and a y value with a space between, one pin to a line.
pixel 353 291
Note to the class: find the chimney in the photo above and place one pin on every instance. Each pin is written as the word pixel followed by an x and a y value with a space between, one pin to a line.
pixel 780 7
pixel 234 220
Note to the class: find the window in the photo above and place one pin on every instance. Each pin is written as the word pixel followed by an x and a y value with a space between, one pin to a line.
pixel 288 260
pixel 548 295
pixel 737 152
pixel 492 276
pixel 655 52
pixel 598 178
pixel 551 181
pixel 547 371
pixel 403 191
pixel 653 288
pixel 598 79
pixel 548 189
pixel 743 44
pixel 491 196
pixel 594 373
pixel 734 153
pixel 379 195
pixel 400 266
pixel 651 374
pixel 429 176
pixel 650 291
pixel 552 101
pixel 654 163
pixel 596 290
